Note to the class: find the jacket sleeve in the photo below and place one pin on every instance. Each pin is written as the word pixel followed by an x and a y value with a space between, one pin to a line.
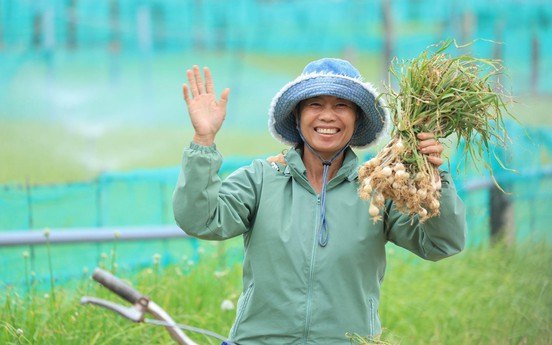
pixel 438 237
pixel 206 207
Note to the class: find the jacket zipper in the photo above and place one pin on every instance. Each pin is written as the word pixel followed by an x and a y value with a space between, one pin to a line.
pixel 241 309
pixel 311 274
pixel 372 316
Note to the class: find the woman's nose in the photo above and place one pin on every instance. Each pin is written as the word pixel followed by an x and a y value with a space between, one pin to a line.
pixel 327 113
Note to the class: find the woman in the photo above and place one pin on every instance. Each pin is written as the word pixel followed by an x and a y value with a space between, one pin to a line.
pixel 314 259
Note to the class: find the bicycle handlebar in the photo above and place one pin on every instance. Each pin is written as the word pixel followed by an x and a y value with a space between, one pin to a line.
pixel 140 303
pixel 132 314
pixel 116 285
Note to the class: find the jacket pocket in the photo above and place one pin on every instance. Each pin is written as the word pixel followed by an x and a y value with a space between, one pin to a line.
pixel 242 305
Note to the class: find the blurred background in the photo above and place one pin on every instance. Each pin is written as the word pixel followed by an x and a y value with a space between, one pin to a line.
pixel 92 121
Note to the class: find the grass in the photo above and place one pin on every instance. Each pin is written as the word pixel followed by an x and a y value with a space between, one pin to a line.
pixel 501 295
pixel 191 293
pixel 498 295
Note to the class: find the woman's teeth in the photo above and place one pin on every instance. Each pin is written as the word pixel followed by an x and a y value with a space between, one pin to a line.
pixel 326 130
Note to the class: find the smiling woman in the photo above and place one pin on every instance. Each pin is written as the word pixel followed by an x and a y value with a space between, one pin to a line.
pixel 304 213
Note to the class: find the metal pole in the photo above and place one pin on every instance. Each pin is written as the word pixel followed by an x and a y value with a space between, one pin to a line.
pixel 86 235
pixel 30 221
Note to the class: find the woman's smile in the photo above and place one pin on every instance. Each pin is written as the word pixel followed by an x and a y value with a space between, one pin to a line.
pixel 322 130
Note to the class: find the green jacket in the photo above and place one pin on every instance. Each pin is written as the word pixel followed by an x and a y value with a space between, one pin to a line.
pixel 294 290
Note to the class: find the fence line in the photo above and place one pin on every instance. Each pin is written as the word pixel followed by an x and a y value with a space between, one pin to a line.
pixel 113 199
pixel 85 235
pixel 137 233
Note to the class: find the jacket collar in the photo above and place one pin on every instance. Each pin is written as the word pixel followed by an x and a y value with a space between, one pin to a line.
pixel 296 167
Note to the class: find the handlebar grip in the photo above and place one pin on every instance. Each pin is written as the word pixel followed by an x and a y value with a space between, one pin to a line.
pixel 116 285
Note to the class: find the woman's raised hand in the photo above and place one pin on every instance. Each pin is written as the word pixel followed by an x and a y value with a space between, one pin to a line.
pixel 205 112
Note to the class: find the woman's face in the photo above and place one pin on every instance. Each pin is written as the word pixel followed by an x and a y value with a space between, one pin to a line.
pixel 327 123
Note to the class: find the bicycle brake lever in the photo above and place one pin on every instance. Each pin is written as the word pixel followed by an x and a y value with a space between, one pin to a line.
pixel 134 313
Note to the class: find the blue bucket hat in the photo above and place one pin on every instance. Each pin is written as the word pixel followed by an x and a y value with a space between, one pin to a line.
pixel 334 77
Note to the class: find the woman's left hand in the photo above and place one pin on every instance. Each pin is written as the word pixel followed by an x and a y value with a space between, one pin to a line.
pixel 431 147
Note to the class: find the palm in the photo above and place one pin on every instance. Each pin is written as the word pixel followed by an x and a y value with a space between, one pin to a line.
pixel 206 115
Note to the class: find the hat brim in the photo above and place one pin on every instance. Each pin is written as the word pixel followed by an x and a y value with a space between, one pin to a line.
pixel 371 124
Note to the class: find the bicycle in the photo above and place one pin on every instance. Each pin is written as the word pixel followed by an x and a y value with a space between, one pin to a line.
pixel 141 305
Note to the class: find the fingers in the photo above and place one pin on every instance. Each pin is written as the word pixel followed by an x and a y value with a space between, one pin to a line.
pixel 185 93
pixel 197 88
pixel 279 158
pixel 435 160
pixel 425 136
pixel 198 80
pixel 208 80
pixel 431 147
pixel 428 144
pixel 192 82
pixel 224 97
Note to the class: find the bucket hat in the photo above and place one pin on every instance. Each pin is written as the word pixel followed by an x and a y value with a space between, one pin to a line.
pixel 334 77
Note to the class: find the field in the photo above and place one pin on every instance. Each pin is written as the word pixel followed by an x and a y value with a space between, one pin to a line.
pixel 85 118
pixel 49 153
pixel 499 295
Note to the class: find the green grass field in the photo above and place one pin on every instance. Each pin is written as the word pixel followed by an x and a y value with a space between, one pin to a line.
pixel 500 295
